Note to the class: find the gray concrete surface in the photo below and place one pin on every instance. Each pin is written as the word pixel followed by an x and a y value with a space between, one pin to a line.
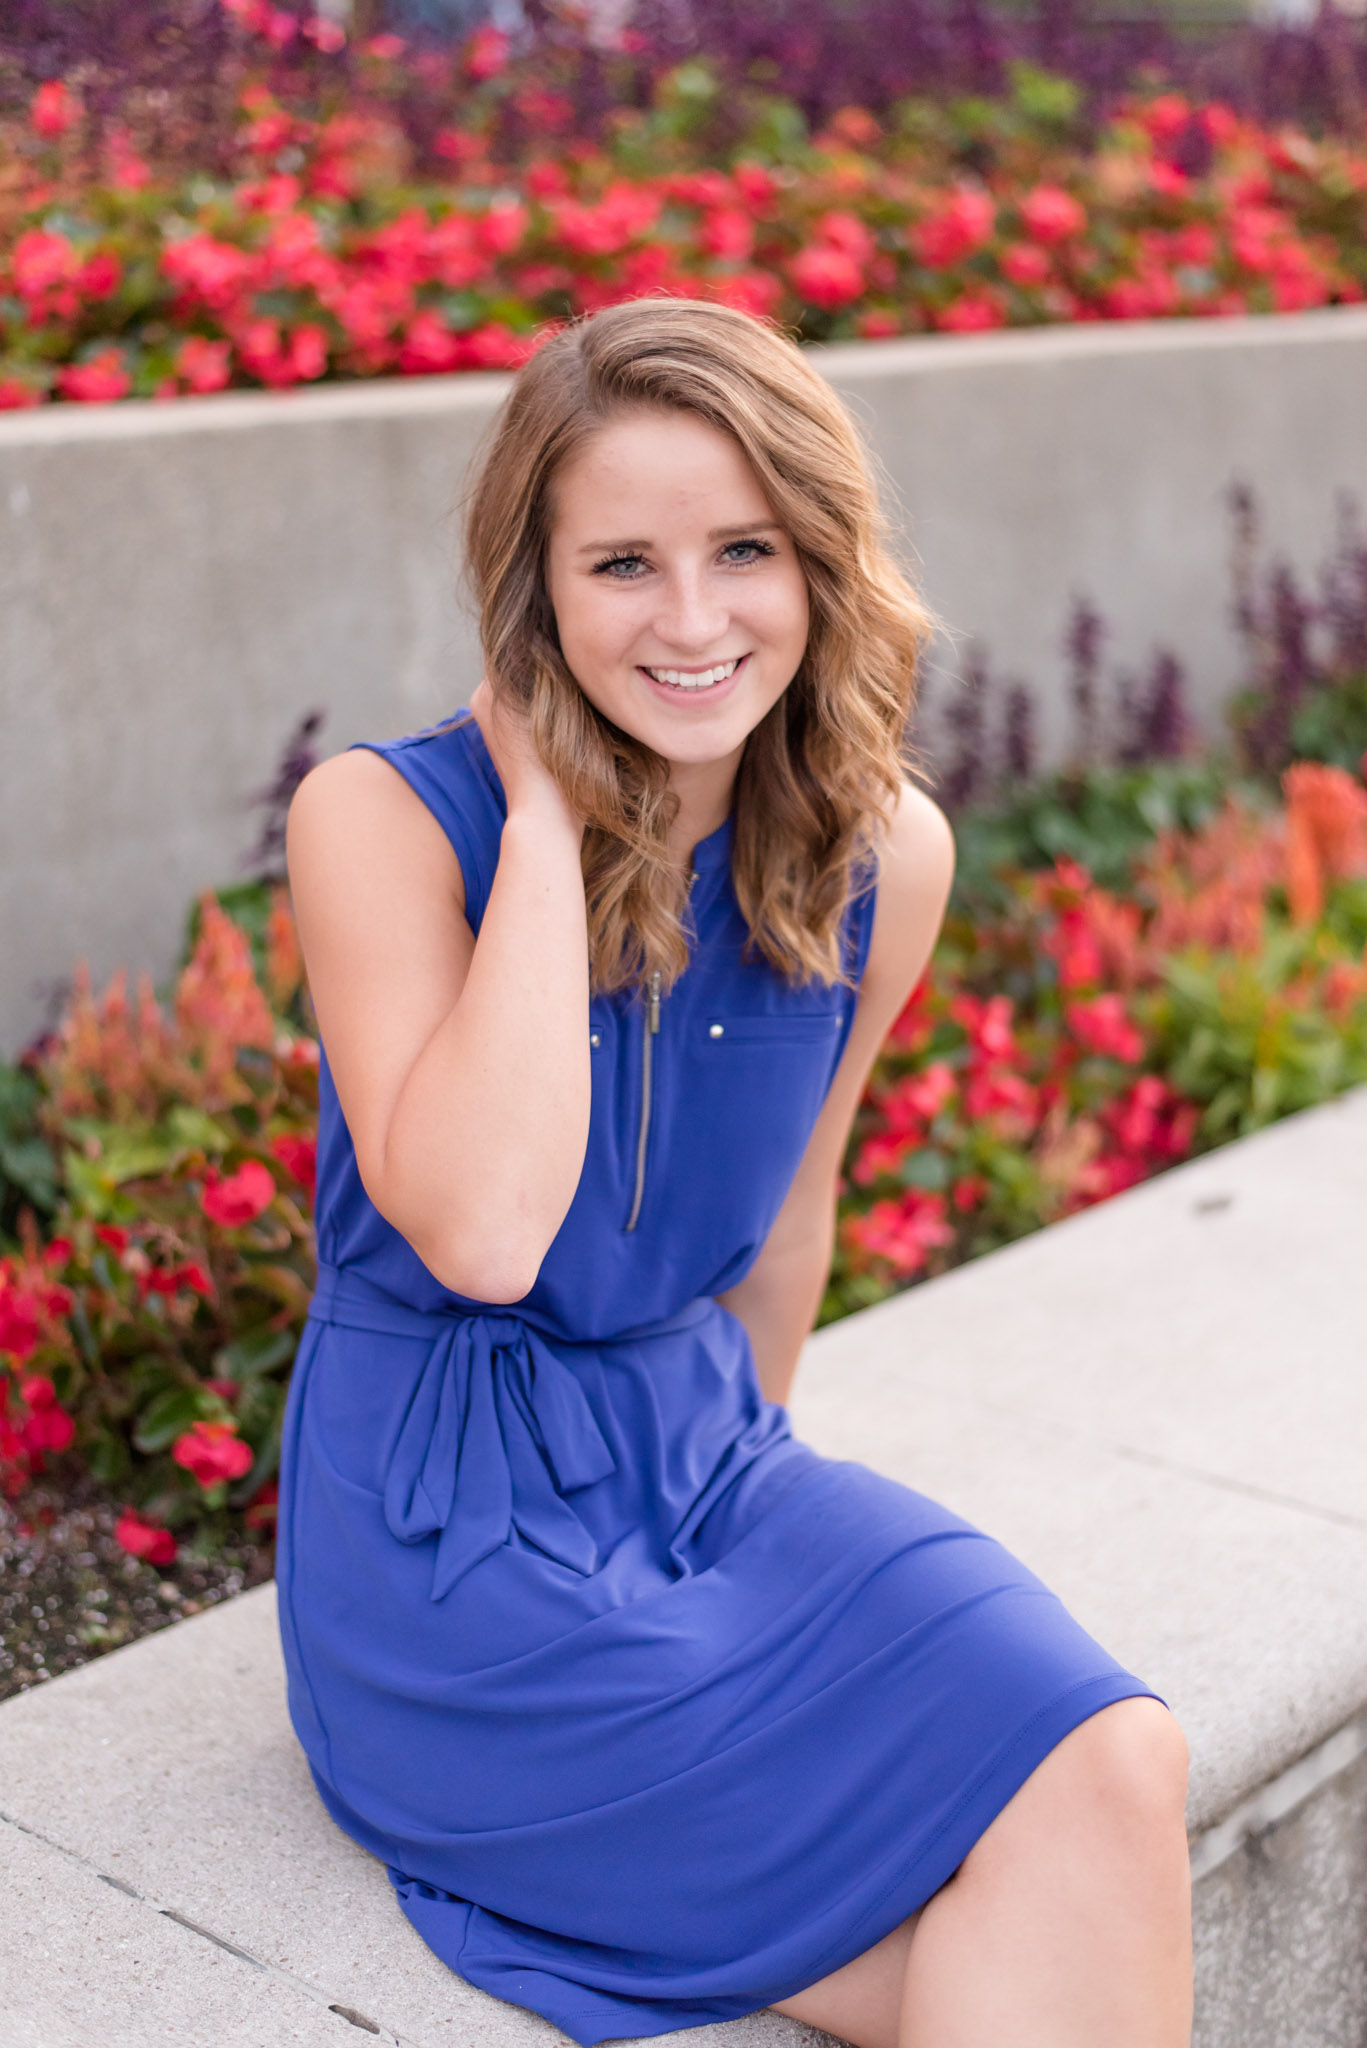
pixel 1158 1405
pixel 179 583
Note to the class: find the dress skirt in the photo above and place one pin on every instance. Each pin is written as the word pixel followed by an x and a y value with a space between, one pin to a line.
pixel 655 1715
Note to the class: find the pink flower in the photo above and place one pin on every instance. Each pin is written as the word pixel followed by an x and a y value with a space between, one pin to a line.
pixel 502 230
pixel 927 1093
pixel 144 1539
pixel 846 232
pixel 486 53
pixel 1024 264
pixel 1051 214
pixel 103 378
pixel 14 395
pixel 203 364
pixel 239 1197
pixel 1101 1025
pixel 100 275
pixel 756 184
pixel 40 262
pixel 728 234
pixel 214 272
pixel 52 110
pixel 213 1452
pixel 826 277
pixel 962 224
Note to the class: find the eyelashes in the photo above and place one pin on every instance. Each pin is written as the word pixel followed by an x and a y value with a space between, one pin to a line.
pixel 627 558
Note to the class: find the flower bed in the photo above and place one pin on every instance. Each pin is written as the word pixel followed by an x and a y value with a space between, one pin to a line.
pixel 323 234
pixel 1069 1041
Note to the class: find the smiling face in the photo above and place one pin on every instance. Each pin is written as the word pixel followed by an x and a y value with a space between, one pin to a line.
pixel 680 602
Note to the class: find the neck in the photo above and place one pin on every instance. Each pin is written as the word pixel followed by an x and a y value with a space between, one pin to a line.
pixel 705 790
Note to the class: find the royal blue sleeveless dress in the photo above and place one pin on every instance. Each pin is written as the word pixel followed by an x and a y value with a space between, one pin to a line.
pixel 655 1715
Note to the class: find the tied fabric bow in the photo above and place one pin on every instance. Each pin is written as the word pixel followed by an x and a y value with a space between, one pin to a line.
pixel 497 1432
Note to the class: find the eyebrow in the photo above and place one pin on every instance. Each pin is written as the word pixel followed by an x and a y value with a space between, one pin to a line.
pixel 603 547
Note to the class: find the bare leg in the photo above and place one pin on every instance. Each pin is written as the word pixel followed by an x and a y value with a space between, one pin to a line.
pixel 862 2002
pixel 1068 1923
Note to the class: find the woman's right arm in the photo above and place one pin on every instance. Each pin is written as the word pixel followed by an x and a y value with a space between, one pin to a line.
pixel 462 1065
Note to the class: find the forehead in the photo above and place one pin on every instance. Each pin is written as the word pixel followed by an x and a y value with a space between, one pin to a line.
pixel 658 468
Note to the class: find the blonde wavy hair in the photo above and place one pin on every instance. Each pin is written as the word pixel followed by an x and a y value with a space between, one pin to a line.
pixel 821 771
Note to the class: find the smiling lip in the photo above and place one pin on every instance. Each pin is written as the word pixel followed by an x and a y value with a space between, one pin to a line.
pixel 694 682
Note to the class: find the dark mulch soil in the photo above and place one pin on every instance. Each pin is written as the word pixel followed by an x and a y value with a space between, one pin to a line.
pixel 68 1592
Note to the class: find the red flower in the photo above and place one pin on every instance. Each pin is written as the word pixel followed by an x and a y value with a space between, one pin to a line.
pixel 213 1452
pixel 1051 214
pixel 902 1232
pixel 962 224
pixel 96 382
pixel 881 1154
pixel 756 292
pixel 826 277
pixel 49 1427
pixel 971 313
pixel 264 1506
pixel 878 325
pixel 298 1154
pixel 969 1192
pixel 239 1197
pixel 203 364
pixel 429 347
pixel 52 110
pixel 110 1235
pixel 141 1538
pixel 20 1318
pixel 212 272
pixel 14 395
pixel 1101 1025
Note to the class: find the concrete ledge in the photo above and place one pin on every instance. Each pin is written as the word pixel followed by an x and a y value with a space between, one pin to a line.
pixel 1160 1405
pixel 178 583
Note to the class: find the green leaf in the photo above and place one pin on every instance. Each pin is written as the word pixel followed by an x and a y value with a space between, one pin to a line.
pixel 256 1352
pixel 169 1416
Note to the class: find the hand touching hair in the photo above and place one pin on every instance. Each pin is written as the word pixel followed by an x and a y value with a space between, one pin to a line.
pixel 821 770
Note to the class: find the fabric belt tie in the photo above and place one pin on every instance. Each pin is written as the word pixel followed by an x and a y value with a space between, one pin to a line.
pixel 496 1433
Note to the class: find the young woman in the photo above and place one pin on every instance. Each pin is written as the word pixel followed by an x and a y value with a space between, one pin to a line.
pixel 656 1716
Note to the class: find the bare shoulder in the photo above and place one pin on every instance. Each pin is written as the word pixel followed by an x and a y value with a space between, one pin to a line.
pixel 915 870
pixel 355 812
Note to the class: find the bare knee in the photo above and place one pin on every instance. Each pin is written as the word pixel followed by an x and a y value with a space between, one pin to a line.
pixel 1113 1791
pixel 1130 1763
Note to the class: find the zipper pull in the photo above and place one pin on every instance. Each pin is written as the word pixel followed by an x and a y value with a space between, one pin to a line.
pixel 653 1009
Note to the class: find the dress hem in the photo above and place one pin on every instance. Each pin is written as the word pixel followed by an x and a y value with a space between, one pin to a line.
pixel 936 1863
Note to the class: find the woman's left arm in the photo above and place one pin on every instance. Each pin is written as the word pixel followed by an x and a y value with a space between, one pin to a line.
pixel 779 1297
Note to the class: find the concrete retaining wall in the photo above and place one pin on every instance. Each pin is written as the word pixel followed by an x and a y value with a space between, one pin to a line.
pixel 179 583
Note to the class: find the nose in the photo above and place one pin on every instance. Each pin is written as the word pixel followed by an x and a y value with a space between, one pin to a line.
pixel 692 619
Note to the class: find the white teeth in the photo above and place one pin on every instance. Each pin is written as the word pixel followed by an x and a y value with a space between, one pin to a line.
pixel 703 680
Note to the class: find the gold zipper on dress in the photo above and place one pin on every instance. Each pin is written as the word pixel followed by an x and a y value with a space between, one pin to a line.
pixel 651 1025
